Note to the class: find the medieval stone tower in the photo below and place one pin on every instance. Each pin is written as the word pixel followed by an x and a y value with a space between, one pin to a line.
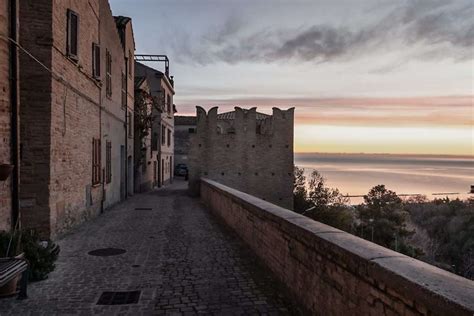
pixel 246 150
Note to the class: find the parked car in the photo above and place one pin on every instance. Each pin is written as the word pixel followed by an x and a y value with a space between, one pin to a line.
pixel 181 170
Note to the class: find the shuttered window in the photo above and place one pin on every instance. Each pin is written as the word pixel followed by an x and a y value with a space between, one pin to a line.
pixel 163 135
pixel 124 90
pixel 95 60
pixel 130 63
pixel 95 161
pixel 108 73
pixel 108 162
pixel 169 138
pixel 130 125
pixel 72 34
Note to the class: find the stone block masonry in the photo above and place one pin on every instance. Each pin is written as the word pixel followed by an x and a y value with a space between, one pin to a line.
pixel 332 272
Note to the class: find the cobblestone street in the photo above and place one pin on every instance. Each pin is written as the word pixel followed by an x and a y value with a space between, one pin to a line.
pixel 177 254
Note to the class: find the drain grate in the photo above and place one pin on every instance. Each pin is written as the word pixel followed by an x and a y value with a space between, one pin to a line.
pixel 119 298
pixel 143 209
pixel 105 252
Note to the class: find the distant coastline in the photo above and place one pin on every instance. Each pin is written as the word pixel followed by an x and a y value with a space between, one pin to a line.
pixel 385 155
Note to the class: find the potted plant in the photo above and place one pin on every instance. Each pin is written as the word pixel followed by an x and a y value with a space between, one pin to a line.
pixel 5 170
pixel 41 255
pixel 27 244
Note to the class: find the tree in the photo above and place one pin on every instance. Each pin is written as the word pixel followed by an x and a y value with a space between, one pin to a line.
pixel 144 117
pixel 300 194
pixel 383 219
pixel 328 205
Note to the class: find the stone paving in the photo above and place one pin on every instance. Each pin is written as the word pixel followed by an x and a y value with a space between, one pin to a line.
pixel 178 255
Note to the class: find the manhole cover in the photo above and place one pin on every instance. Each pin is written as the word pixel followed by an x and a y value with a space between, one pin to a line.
pixel 105 252
pixel 119 298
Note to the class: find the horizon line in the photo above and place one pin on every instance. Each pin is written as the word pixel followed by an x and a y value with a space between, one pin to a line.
pixel 385 154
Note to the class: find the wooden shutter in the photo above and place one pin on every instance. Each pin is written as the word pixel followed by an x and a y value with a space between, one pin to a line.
pixel 72 34
pixel 95 60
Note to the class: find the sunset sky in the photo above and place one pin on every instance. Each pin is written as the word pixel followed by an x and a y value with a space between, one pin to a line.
pixel 369 76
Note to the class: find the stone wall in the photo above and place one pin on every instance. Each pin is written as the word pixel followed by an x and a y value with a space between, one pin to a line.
pixel 5 116
pixel 332 272
pixel 254 158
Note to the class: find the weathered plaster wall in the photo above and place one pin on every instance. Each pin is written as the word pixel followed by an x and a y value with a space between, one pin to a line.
pixel 332 272
pixel 113 124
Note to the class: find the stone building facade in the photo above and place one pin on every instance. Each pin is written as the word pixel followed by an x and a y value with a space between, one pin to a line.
pixel 162 89
pixel 71 112
pixel 246 150
pixel 8 110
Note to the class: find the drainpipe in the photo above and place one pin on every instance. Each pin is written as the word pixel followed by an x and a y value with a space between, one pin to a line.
pixel 126 127
pixel 14 114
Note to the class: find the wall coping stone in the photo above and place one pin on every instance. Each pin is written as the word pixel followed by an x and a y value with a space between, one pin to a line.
pixel 398 271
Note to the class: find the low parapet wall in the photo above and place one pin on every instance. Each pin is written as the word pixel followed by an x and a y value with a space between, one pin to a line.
pixel 332 272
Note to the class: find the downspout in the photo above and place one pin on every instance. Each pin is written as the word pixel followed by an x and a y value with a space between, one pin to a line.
pixel 126 116
pixel 14 115
pixel 102 200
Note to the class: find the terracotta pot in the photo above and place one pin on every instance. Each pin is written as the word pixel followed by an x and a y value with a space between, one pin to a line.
pixel 11 287
pixel 5 170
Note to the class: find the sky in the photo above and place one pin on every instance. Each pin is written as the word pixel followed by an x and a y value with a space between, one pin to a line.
pixel 373 76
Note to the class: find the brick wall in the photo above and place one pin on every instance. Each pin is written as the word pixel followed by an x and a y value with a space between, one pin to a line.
pixel 35 112
pixel 5 116
pixel 258 162
pixel 75 120
pixel 332 272
pixel 65 111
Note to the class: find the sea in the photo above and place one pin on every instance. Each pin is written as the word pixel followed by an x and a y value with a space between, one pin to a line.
pixel 355 174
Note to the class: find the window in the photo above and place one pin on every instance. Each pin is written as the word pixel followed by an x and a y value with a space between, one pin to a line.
pixel 169 138
pixel 163 135
pixel 95 60
pixel 72 34
pixel 168 103
pixel 124 90
pixel 155 172
pixel 95 161
pixel 154 141
pixel 130 63
pixel 108 162
pixel 130 126
pixel 108 73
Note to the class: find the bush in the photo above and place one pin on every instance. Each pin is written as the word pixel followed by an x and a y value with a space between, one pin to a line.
pixel 40 254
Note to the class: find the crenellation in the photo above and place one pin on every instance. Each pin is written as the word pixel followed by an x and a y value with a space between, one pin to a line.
pixel 255 157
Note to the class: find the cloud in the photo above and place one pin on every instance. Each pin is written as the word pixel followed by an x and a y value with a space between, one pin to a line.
pixel 434 29
pixel 415 111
